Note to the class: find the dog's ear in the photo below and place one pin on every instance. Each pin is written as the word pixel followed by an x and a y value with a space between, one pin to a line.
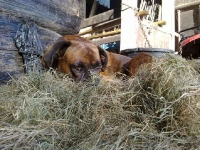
pixel 104 58
pixel 57 50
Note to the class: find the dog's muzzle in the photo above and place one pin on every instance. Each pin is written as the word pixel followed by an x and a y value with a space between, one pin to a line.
pixel 92 76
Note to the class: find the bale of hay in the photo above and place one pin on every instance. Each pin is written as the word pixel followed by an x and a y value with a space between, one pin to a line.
pixel 158 109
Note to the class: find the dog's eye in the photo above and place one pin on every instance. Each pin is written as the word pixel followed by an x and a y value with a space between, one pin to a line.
pixel 99 67
pixel 78 69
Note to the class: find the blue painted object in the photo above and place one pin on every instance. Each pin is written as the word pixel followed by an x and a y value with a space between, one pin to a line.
pixel 105 3
pixel 113 45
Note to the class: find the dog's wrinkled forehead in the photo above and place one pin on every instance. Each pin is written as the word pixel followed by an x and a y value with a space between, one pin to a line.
pixel 83 52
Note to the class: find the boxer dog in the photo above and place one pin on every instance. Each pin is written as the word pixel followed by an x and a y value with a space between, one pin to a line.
pixel 80 58
pixel 75 56
pixel 116 63
pixel 138 61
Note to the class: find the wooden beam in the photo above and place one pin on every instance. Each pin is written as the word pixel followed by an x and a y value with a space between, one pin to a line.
pixel 129 25
pixel 84 7
pixel 109 23
pixel 104 34
pixel 196 18
pixel 86 31
pixel 98 19
pixel 106 40
pixel 187 6
pixel 161 22
pixel 101 26
pixel 143 13
pixel 179 20
pixel 168 14
pixel 94 8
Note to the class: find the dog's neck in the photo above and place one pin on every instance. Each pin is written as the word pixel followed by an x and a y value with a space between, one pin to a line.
pixel 117 59
pixel 116 63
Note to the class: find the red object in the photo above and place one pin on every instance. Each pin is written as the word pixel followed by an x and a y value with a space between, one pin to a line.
pixel 190 47
pixel 190 39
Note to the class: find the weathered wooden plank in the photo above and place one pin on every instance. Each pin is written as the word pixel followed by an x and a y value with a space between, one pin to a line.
pixel 62 16
pixel 97 19
pixel 11 62
pixel 187 6
pixel 109 33
pixel 170 21
pixel 49 18
pixel 84 8
pixel 8 30
pixel 101 26
pixel 134 34
pixel 94 8
pixel 129 25
pixel 106 40
pixel 159 37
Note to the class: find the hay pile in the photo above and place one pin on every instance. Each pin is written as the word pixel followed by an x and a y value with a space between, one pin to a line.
pixel 159 109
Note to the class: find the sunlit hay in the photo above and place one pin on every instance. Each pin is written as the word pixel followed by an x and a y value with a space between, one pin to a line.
pixel 169 93
pixel 158 109
pixel 195 63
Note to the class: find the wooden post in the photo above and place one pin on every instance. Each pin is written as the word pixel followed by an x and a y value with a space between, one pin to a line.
pixel 168 14
pixel 179 20
pixel 196 18
pixel 187 6
pixel 94 8
pixel 84 7
pixel 129 24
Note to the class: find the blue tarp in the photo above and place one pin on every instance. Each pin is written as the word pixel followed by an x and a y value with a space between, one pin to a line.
pixel 105 3
pixel 114 45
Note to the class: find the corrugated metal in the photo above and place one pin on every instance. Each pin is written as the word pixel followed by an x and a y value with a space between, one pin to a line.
pixel 105 3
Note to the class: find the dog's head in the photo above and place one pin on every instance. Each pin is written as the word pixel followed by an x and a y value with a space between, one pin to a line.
pixel 75 56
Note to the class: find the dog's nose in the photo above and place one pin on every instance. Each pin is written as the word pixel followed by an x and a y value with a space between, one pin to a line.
pixel 91 76
pixel 94 71
pixel 88 75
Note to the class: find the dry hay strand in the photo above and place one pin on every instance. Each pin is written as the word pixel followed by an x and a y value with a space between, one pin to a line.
pixel 158 109
pixel 195 63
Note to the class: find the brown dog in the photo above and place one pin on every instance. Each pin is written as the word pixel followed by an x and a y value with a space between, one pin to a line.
pixel 138 61
pixel 116 63
pixel 75 56
pixel 80 58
